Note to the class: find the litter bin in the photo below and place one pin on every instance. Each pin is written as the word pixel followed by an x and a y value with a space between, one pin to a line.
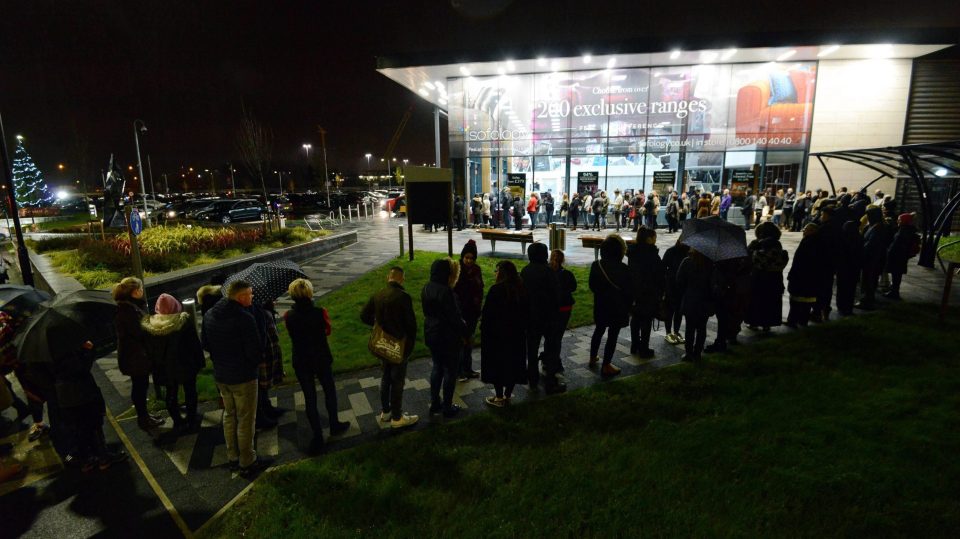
pixel 558 237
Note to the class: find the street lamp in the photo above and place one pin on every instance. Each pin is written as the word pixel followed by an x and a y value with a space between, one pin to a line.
pixel 136 138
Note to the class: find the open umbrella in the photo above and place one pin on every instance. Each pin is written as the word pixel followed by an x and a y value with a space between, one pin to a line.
pixel 269 279
pixel 20 301
pixel 715 238
pixel 64 323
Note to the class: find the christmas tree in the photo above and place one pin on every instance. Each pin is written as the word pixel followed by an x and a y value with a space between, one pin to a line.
pixel 30 189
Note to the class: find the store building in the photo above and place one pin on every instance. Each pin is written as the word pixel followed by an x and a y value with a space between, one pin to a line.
pixel 710 119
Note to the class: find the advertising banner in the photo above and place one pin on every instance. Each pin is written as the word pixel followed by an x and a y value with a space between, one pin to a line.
pixel 517 183
pixel 664 180
pixel 587 181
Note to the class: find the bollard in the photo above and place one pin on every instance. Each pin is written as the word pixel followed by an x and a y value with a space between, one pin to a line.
pixel 340 210
pixel 400 228
pixel 350 214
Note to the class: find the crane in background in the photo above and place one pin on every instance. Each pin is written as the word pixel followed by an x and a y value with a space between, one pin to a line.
pixel 393 142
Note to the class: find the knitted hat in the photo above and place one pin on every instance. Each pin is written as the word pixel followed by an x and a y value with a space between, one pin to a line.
pixel 167 304
pixel 469 247
pixel 906 218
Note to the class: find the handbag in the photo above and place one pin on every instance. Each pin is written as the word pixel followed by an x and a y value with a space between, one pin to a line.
pixel 386 346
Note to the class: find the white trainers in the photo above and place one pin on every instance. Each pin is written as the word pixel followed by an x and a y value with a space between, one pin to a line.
pixel 671 338
pixel 404 421
pixel 680 339
pixel 385 416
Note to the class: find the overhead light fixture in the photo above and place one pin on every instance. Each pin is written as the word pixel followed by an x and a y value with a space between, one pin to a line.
pixel 542 62
pixel 555 65
pixel 501 71
pixel 511 66
pixel 430 85
pixel 464 71
pixel 828 50
pixel 423 92
pixel 438 84
pixel 786 55
pixel 675 54
pixel 708 56
pixel 443 101
pixel 587 58
pixel 883 50
pixel 611 62
pixel 728 54
pixel 940 172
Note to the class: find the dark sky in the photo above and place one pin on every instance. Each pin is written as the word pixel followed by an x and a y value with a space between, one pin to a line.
pixel 74 76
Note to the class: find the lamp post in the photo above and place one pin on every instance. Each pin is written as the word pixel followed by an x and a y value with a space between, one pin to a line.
pixel 136 139
pixel 279 173
pixel 326 175
pixel 368 156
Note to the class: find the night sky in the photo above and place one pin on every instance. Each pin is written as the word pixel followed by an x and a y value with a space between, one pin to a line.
pixel 74 76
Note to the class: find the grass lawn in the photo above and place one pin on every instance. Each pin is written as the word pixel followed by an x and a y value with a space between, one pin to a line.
pixel 846 429
pixel 348 341
pixel 951 253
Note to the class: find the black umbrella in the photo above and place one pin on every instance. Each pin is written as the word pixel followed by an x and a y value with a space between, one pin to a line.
pixel 269 279
pixel 65 323
pixel 20 301
pixel 715 238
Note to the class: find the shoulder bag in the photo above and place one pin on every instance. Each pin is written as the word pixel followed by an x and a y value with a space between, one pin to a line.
pixel 386 346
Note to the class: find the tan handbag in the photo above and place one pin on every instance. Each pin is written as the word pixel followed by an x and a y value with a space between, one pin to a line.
pixel 386 346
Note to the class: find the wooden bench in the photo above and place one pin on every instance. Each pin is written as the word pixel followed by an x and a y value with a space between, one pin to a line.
pixel 506 235
pixel 593 242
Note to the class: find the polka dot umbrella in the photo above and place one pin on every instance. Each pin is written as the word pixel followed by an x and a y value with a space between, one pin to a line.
pixel 269 279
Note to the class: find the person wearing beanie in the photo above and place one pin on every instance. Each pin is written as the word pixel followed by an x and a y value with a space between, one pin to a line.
pixel 469 294
pixel 174 349
pixel 905 245
pixel 543 297
pixel 132 355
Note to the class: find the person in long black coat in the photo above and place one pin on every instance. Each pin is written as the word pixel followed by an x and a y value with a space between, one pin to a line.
pixel 308 328
pixel 766 277
pixel 875 244
pixel 132 355
pixel 696 303
pixel 904 246
pixel 647 282
pixel 444 332
pixel 849 266
pixel 503 339
pixel 804 278
pixel 612 298
pixel 672 259
pixel 175 349
pixel 567 284
pixel 542 288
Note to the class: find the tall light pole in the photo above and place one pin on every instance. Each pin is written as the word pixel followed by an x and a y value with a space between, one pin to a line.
pixel 280 175
pixel 153 191
pixel 326 175
pixel 136 139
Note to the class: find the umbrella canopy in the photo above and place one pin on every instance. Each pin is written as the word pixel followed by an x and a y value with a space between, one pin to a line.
pixel 64 323
pixel 269 279
pixel 20 301
pixel 715 238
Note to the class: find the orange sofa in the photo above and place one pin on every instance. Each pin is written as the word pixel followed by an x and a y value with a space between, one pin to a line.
pixel 756 118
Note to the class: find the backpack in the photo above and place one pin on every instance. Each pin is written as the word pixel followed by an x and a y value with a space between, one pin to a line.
pixel 597 205
pixel 913 248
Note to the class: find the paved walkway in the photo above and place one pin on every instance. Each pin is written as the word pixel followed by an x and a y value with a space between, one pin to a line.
pixel 192 470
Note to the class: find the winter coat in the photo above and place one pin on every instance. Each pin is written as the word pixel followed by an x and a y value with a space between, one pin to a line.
pixel 543 292
pixel 392 309
pixel 173 346
pixel 766 282
pixel 567 285
pixel 805 272
pixel 131 347
pixel 875 246
pixel 231 336
pixel 469 292
pixel 672 258
pixel 270 371
pixel 612 292
pixel 694 284
pixel 308 336
pixel 503 349
pixel 898 254
pixel 208 296
pixel 75 385
pixel 443 325
pixel 646 278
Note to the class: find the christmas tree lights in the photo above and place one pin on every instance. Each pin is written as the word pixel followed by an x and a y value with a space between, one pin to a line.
pixel 30 189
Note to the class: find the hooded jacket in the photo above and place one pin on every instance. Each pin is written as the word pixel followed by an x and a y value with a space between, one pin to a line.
pixel 231 336
pixel 443 325
pixel 647 278
pixel 173 345
pixel 611 287
pixel 308 335
pixel 131 351
pixel 207 296
pixel 543 289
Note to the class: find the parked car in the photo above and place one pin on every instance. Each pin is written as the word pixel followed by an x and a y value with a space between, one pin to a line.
pixel 190 208
pixel 233 211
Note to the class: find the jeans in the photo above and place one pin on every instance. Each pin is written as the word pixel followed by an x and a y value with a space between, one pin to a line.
pixel 307 378
pixel 189 397
pixel 138 394
pixel 443 376
pixel 616 218
pixel 640 328
pixel 533 219
pixel 609 347
pixel 695 335
pixel 391 388
pixel 239 417
pixel 466 353
pixel 596 220
pixel 723 213
pixel 555 341
pixel 674 317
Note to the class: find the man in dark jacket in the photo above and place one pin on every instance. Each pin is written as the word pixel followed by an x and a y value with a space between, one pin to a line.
pixel 392 309
pixel 647 280
pixel 517 213
pixel 458 212
pixel 905 245
pixel 231 336
pixel 543 294
pixel 444 332
pixel 749 202
pixel 875 245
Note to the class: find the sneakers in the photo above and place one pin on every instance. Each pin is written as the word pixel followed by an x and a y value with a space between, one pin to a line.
pixel 499 402
pixel 37 431
pixel 610 370
pixel 405 420
pixel 671 339
pixel 385 417
pixel 679 338
pixel 109 459
pixel 149 422
pixel 462 378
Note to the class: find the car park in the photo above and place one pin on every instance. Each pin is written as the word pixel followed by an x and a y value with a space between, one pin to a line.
pixel 233 211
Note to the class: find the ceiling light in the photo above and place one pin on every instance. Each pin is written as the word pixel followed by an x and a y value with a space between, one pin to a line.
pixel 940 172
pixel 554 65
pixel 430 85
pixel 423 92
pixel 828 50
pixel 786 55
pixel 708 56
pixel 883 51
pixel 618 77
pixel 438 84
pixel 464 71
pixel 511 66
pixel 501 71
pixel 443 101
pixel 675 54
pixel 611 62
pixel 542 62
pixel 728 54
pixel 587 58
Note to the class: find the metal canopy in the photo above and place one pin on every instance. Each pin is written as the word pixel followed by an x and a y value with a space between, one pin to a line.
pixel 924 164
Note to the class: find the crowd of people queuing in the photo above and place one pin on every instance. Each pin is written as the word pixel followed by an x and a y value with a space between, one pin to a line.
pixel 848 241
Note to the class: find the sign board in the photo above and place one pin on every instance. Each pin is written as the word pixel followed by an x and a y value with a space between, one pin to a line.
pixel 136 225
pixel 587 181
pixel 92 209
pixel 740 181
pixel 741 176
pixel 664 179
pixel 429 195
pixel 517 183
